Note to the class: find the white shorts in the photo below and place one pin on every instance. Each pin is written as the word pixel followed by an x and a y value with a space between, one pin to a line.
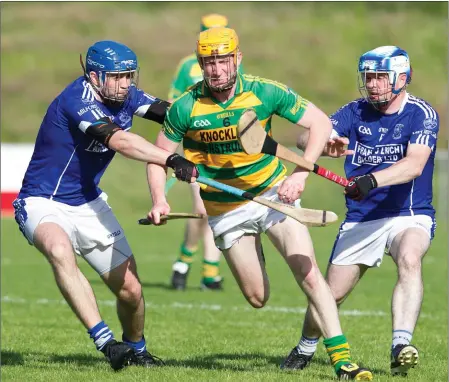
pixel 251 218
pixel 93 229
pixel 366 242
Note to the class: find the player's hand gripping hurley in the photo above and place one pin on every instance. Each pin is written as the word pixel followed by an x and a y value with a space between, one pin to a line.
pixel 254 140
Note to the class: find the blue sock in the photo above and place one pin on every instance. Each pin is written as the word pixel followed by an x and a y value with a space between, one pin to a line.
pixel 139 346
pixel 101 334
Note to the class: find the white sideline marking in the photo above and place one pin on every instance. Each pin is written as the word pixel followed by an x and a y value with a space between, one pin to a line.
pixel 210 307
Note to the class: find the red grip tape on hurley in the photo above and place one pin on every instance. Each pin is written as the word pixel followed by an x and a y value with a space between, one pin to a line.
pixel 332 176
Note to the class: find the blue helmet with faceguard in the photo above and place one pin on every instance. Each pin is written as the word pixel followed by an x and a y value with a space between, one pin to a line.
pixel 391 60
pixel 111 58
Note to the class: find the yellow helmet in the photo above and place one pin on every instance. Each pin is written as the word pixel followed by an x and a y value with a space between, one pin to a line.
pixel 215 42
pixel 213 20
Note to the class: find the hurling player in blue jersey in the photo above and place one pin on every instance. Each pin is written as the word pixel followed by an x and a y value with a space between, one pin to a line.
pixel 391 137
pixel 61 210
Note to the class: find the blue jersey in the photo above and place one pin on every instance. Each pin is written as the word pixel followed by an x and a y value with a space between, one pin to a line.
pixel 67 164
pixel 380 140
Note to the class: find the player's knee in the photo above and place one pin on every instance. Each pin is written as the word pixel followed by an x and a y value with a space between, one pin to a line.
pixel 257 301
pixel 59 252
pixel 409 263
pixel 339 297
pixel 309 276
pixel 131 293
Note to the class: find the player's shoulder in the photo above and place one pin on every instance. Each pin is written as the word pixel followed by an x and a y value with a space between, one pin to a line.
pixel 419 107
pixel 77 96
pixel 265 89
pixel 256 83
pixel 80 90
pixel 355 105
pixel 136 93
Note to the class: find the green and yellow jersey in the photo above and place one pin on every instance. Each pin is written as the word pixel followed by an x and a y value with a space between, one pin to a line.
pixel 208 131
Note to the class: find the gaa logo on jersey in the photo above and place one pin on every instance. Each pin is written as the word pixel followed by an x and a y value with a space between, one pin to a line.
pixel 397 132
pixel 202 123
pixel 365 130
pixel 430 123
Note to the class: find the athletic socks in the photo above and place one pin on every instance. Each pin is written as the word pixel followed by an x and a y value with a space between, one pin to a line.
pixel 101 335
pixel 186 255
pixel 139 346
pixel 401 337
pixel 338 350
pixel 307 345
pixel 210 271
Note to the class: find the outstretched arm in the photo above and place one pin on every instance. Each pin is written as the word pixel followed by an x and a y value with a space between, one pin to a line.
pixel 126 143
pixel 135 147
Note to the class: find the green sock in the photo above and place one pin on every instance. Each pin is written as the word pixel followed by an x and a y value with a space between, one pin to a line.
pixel 210 271
pixel 186 255
pixel 338 350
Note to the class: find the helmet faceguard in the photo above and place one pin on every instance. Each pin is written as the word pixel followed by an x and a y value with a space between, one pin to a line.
pixel 388 62
pixel 218 45
pixel 116 68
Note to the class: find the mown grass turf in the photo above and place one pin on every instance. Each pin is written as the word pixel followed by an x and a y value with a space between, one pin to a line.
pixel 201 335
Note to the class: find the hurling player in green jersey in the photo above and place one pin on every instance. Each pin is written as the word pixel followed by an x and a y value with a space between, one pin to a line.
pixel 205 119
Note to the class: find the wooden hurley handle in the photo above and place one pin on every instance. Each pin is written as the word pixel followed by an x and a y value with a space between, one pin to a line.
pixel 290 156
pixel 172 216
pixel 313 218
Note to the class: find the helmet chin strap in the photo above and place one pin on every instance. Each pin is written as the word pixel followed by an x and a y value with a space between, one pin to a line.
pixel 220 89
pixel 379 104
